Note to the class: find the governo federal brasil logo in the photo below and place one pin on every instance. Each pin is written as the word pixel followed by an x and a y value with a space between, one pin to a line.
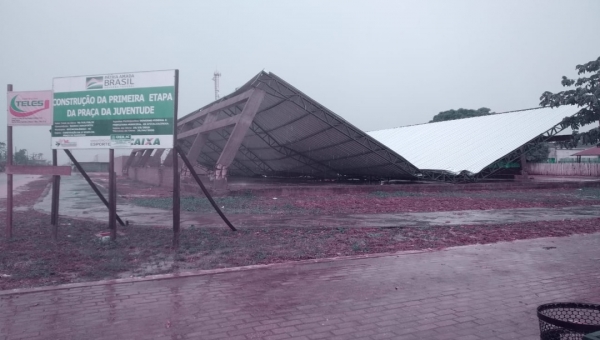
pixel 25 107
pixel 94 83
pixel 110 81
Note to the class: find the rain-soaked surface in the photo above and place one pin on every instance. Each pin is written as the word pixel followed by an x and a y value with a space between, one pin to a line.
pixel 473 292
pixel 78 200
pixel 18 182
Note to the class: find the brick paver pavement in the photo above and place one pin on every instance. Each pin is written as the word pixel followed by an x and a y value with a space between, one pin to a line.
pixel 474 292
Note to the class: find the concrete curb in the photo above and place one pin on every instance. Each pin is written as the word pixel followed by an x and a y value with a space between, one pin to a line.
pixel 193 273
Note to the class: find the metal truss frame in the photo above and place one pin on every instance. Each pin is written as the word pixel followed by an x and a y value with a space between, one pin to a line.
pixel 288 152
pixel 304 102
pixel 512 156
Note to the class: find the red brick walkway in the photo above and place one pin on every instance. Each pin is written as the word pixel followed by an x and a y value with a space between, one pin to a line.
pixel 476 292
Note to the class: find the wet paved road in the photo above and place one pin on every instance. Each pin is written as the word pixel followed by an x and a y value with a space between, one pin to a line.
pixel 474 292
pixel 18 182
pixel 78 201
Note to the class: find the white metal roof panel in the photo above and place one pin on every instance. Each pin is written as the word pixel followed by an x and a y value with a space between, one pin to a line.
pixel 469 144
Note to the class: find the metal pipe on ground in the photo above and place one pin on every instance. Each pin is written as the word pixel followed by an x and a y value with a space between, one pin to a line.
pixel 204 190
pixel 91 183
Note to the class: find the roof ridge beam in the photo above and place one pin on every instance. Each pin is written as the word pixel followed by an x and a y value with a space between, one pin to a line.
pixel 219 124
pixel 216 107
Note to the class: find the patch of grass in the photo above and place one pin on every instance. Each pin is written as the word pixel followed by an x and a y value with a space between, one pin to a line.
pixel 196 204
pixel 259 256
pixel 109 267
pixel 588 193
pixel 35 269
pixel 238 204
pixel 386 194
pixel 290 208
pixel 358 246
pixel 246 193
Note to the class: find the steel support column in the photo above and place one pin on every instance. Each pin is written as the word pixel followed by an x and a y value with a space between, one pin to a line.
pixel 144 159
pixel 237 136
pixel 155 160
pixel 201 138
pixel 169 160
pixel 125 169
pixel 137 158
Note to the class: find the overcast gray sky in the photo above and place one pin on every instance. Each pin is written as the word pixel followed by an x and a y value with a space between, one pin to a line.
pixel 378 64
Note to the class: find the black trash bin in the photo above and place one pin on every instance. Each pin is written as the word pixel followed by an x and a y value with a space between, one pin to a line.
pixel 568 320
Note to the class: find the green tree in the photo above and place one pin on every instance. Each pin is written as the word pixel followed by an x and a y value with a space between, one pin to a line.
pixel 460 114
pixel 538 153
pixel 2 152
pixel 585 93
pixel 20 157
pixel 2 156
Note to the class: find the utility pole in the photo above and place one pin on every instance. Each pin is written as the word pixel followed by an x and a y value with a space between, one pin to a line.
pixel 216 77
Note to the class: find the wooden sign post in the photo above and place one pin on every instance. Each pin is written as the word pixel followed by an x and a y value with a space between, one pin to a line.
pixel 9 177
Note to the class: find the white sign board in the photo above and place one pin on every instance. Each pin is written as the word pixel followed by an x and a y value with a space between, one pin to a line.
pixel 29 108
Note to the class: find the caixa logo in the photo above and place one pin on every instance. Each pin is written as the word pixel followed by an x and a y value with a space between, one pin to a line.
pixel 146 141
pixel 25 107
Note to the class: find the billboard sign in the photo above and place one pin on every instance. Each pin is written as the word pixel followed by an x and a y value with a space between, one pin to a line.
pixel 29 108
pixel 124 110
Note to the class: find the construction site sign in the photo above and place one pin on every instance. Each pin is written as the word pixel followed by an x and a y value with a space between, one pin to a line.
pixel 124 110
pixel 29 108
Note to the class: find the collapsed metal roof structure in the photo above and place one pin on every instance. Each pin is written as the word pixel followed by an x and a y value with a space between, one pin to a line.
pixel 267 127
pixel 473 147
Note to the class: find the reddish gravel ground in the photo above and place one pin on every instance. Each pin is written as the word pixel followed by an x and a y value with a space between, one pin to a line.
pixel 483 200
pixel 32 258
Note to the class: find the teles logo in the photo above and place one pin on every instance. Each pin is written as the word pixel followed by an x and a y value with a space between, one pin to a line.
pixel 25 107
pixel 94 83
